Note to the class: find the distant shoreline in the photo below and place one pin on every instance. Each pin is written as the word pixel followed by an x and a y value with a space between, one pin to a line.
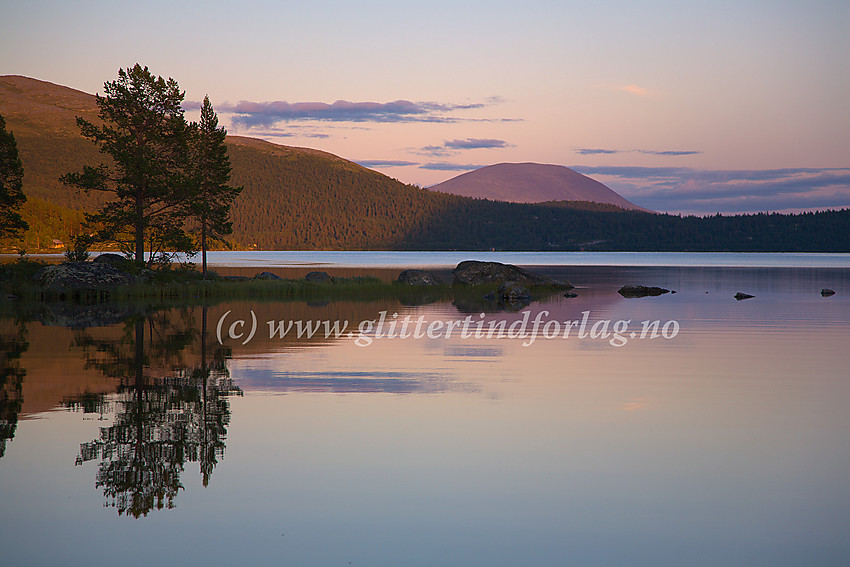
pixel 300 262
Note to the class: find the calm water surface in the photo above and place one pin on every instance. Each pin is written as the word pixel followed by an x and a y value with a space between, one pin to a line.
pixel 443 259
pixel 449 259
pixel 138 438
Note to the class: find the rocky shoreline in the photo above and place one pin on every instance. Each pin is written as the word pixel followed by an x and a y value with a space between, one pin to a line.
pixel 110 277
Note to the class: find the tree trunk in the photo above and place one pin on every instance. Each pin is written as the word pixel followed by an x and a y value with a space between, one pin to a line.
pixel 204 249
pixel 140 230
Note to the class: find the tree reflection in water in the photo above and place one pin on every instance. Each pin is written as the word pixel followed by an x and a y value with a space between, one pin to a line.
pixel 167 412
pixel 13 344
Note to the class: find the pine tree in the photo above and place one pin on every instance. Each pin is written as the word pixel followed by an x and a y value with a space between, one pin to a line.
pixel 11 185
pixel 211 196
pixel 145 133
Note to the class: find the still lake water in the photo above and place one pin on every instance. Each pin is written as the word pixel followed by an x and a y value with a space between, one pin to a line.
pixel 725 440
pixel 441 259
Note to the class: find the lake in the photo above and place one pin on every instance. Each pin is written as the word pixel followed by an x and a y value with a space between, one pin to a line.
pixel 683 429
pixel 444 259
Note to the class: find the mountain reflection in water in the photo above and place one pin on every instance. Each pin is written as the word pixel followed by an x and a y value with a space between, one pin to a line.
pixel 723 446
pixel 165 381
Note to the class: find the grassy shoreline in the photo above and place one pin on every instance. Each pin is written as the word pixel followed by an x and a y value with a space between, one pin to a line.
pixel 178 285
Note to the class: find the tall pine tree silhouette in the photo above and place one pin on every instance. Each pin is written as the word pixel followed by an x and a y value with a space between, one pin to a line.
pixel 144 131
pixel 211 196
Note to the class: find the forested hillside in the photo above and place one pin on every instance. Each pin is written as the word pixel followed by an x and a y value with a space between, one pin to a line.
pixel 302 199
pixel 298 198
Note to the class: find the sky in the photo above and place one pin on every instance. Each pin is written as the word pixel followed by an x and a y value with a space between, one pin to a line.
pixel 680 106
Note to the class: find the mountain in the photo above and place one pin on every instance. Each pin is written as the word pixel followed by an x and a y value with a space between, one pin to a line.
pixel 531 183
pixel 42 116
pixel 306 199
pixel 292 197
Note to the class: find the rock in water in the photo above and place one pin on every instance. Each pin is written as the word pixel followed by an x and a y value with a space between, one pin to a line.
pixel 512 293
pixel 473 272
pixel 632 291
pixel 418 278
pixel 318 277
pixel 825 292
pixel 86 315
pixel 740 296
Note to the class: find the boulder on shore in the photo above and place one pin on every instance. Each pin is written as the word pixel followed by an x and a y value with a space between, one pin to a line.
pixel 633 291
pixel 418 278
pixel 266 276
pixel 473 272
pixel 82 279
pixel 110 258
pixel 318 277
